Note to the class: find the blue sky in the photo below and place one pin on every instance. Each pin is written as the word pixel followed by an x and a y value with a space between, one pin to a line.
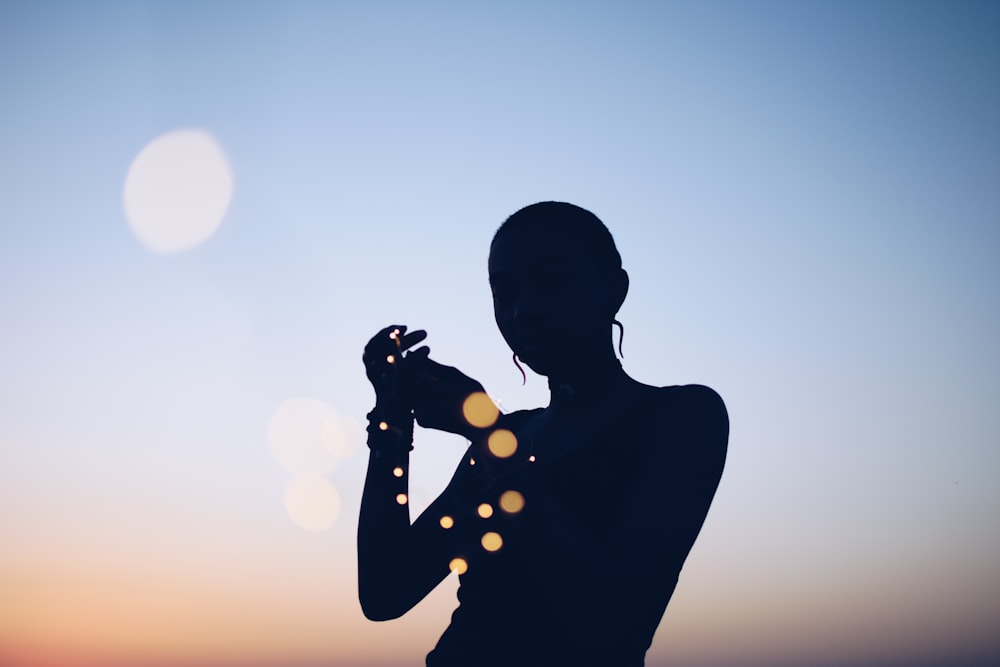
pixel 804 194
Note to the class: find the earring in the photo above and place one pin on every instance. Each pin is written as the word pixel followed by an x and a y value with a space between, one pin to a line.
pixel 524 376
pixel 621 336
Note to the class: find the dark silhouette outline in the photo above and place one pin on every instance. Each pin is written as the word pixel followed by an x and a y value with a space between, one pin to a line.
pixel 568 547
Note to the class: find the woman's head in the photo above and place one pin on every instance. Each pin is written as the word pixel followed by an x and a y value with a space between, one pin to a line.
pixel 557 283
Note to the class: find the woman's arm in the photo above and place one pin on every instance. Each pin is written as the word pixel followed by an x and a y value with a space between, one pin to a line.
pixel 396 568
pixel 399 563
pixel 396 560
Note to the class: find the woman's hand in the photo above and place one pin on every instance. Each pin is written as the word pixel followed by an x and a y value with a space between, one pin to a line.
pixel 437 393
pixel 383 359
pixel 433 391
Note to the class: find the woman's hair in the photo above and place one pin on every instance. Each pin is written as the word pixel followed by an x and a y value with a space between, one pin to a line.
pixel 576 222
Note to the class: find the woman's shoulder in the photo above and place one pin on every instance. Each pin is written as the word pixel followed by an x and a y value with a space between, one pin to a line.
pixel 691 411
pixel 514 420
pixel 695 397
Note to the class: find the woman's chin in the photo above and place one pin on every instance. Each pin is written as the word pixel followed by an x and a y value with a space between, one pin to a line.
pixel 543 364
pixel 531 357
pixel 537 368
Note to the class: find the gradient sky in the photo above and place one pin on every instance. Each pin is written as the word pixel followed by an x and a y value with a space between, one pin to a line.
pixel 806 196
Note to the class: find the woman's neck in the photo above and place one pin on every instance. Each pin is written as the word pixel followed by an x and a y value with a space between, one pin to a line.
pixel 586 383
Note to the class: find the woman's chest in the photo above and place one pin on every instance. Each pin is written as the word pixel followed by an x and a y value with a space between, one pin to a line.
pixel 591 475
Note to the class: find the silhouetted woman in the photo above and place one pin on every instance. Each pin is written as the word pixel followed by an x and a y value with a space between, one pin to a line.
pixel 568 525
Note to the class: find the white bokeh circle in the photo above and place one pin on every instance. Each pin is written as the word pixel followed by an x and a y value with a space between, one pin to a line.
pixel 177 191
pixel 312 502
pixel 308 437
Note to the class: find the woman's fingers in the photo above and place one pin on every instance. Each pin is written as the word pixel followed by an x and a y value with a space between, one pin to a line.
pixel 384 341
pixel 390 332
pixel 409 340
pixel 394 336
pixel 391 340
pixel 419 354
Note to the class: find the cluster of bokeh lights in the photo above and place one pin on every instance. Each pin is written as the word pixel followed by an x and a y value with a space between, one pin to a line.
pixel 480 411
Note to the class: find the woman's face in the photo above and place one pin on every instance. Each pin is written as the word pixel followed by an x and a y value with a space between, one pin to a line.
pixel 549 300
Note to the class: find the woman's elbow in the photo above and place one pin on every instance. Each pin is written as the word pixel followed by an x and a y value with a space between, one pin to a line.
pixel 378 611
pixel 380 603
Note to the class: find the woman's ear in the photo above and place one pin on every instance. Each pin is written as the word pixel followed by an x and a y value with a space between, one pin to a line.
pixel 618 289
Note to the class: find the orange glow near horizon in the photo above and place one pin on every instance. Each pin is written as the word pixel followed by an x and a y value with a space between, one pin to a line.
pixel 141 590
pixel 132 616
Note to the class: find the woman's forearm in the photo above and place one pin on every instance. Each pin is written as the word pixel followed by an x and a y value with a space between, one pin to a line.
pixel 384 520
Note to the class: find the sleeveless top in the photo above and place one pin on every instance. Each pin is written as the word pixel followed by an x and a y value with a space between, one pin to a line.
pixel 504 616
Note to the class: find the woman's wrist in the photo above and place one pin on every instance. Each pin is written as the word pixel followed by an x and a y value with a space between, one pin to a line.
pixel 389 430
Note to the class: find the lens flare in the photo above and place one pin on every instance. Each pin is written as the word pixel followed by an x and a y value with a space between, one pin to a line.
pixel 312 502
pixel 401 498
pixel 446 522
pixel 458 566
pixel 308 437
pixel 479 410
pixel 511 501
pixel 397 472
pixel 502 443
pixel 485 510
pixel 491 541
pixel 177 191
